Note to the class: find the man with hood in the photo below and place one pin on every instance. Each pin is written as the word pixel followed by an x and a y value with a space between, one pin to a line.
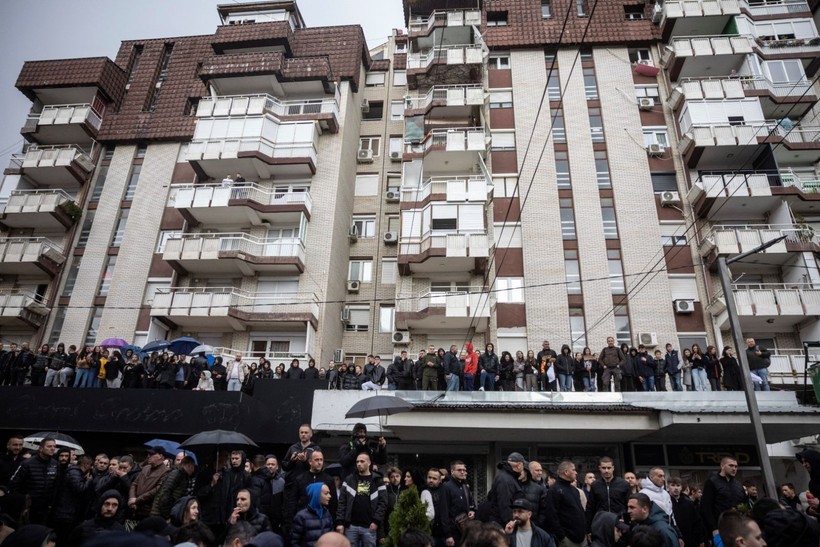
pixel 644 512
pixel 607 530
pixel 506 487
pixel 311 522
pixel 521 531
pixel 470 367
pixel 145 487
pixel 72 499
pixel 295 372
pixel 219 375
pixel 654 486
pixel 105 519
pixel 564 367
pixel 489 365
pixel 245 510
pixel 359 443
pixel 811 462
pixel 174 486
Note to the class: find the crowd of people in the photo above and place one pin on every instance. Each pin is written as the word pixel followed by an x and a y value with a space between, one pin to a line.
pixel 614 368
pixel 55 496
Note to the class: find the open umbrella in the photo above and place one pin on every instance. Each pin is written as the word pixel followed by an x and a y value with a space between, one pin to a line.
pixel 171 448
pixel 32 442
pixel 202 348
pixel 378 405
pixel 183 346
pixel 136 349
pixel 155 345
pixel 113 343
pixel 218 438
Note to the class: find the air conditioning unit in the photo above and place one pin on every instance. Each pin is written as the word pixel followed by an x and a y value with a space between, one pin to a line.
pixel 365 156
pixel 401 337
pixel 648 339
pixel 684 306
pixel 646 62
pixel 655 149
pixel 395 156
pixel 339 355
pixel 392 196
pixel 646 103
pixel 345 315
pixel 391 238
pixel 365 106
pixel 353 286
pixel 353 233
pixel 670 199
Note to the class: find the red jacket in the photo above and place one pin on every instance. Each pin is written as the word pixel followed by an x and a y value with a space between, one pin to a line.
pixel 471 361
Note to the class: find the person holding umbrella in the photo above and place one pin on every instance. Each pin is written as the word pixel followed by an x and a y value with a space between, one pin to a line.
pixel 360 444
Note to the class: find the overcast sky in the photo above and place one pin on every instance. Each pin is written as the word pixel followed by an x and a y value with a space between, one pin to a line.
pixel 59 29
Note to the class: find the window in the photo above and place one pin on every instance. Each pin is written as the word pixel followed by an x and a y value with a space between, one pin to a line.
pixel 374 79
pixel 638 55
pixel 396 111
pixel 116 241
pixel 393 223
pixel 505 187
pixel 562 170
pixel 102 174
pixel 655 136
pixel 358 318
pixel 785 71
pixel 572 271
pixel 401 47
pixel 360 270
pixel 389 271
pixel 375 111
pixel 581 7
pixel 550 57
pixel 135 62
pixel 71 277
pixel 664 182
pixel 133 180
pixel 577 329
pixel 365 226
pixel 673 234
pixel 396 146
pixel 623 333
pixel 152 286
pixel 590 84
pixel 602 169
pixel 85 232
pixel 94 327
pixel 674 241
pixel 634 12
pixel 647 92
pixel 501 99
pixel 616 272
pixel 554 86
pixel 496 18
pixel 499 61
pixel 399 76
pixel 596 125
pixel 508 235
pixel 608 214
pixel 509 290
pixel 366 185
pixel 567 219
pixel 503 140
pixel 108 274
pixel 546 12
pixel 370 143
pixel 387 316
pixel 586 55
pixel 559 132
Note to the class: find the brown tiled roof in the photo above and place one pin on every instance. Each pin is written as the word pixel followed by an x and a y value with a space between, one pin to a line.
pixel 344 46
pixel 380 65
pixel 91 71
pixel 307 68
pixel 399 61
pixel 252 35
pixel 261 62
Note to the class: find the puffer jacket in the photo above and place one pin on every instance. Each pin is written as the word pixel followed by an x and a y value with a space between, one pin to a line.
pixel 173 488
pixel 72 498
pixel 36 477
pixel 310 523
pixel 350 380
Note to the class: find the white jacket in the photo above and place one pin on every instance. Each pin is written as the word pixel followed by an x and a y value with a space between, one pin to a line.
pixel 658 494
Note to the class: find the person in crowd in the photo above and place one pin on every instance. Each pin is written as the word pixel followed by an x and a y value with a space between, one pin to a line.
pixel 174 487
pixel 506 372
pixel 522 531
pixel 506 487
pixel 654 486
pixel 565 518
pixel 660 371
pixel 644 512
pixel 699 363
pixel 297 497
pixel 738 530
pixel 430 367
pixel 375 380
pixel 246 511
pixel 789 497
pixel 362 504
pixel 608 493
pixel 721 492
pixel 732 375
pixel 810 459
pixel 397 372
pixel 672 366
pixel 312 522
pixel 431 497
pixel 457 504
pixel 647 369
pixel 686 369
pixel 564 367
pixel 37 478
pixel 471 367
pixel 235 373
pixel 219 495
pixel 105 520
pixel 360 443
pixel 687 516
pixel 11 460
pixel 294 372
pixel 148 483
pixel 73 497
pixel 714 371
pixel 488 365
pixel 612 361
pixel 185 511
pixel 296 458
pixel 759 361
pixel 632 480
pixel 607 530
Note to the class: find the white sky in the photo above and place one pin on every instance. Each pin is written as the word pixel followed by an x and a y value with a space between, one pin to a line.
pixel 61 29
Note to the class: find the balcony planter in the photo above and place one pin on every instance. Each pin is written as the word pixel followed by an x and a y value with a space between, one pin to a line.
pixel 646 70
pixel 71 210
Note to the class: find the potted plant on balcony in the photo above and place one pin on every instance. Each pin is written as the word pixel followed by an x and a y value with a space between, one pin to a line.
pixel 71 210
pixel 802 230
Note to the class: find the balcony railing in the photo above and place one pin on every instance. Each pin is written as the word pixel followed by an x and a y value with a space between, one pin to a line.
pixel 780 89
pixel 450 95
pixel 700 8
pixel 452 140
pixel 738 238
pixel 455 243
pixel 184 196
pixel 253 105
pixel 776 7
pixel 691 46
pixel 64 114
pixel 36 201
pixel 808 46
pixel 473 189
pixel 806 185
pixel 728 134
pixel 52 156
pixel 275 357
pixel 788 365
pixel 207 246
pixel 775 299
pixel 29 249
pixel 218 301
pixel 228 148
pixel 22 305
pixel 453 18
pixel 451 55
pixel 472 301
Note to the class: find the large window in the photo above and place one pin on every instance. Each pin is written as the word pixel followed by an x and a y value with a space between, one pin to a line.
pixel 572 270
pixel 389 271
pixel 360 270
pixel 116 241
pixel 596 125
pixel 509 290
pixel 133 180
pixel 567 219
pixel 358 318
pixel 375 111
pixel 496 18
pixel 546 11
pixel 616 272
pixel 623 333
pixel 102 174
pixel 590 85
pixel 366 185
pixel 501 99
pixel 499 61
pixel 396 111
pixel 365 226
pixel 71 277
pixel 608 215
pixel 602 169
pixel 655 136
pixel 108 275
pixel 85 232
pixel 399 76
pixel 577 329
pixel 374 79
pixel 503 140
pixel 554 85
pixel 370 143
pixel 648 92
pixel 94 327
pixel 559 133
pixel 562 170
pixel 387 317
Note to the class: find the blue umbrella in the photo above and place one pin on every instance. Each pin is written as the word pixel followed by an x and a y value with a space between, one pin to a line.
pixel 156 345
pixel 183 346
pixel 136 349
pixel 171 448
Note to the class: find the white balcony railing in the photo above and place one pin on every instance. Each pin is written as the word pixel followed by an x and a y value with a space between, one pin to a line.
pixel 470 302
pixel 806 185
pixel 734 88
pixel 456 244
pixel 36 201
pixel 700 8
pixel 207 149
pixel 52 156
pixel 779 89
pixel 739 238
pixel 788 365
pixel 775 7
pixel 208 246
pixel 728 134
pixel 23 304
pixel 64 114
pixel 691 46
pixel 776 299
pixel 451 95
pixel 808 46
pixel 450 18
pixel 458 189
pixel 219 301
pixel 254 105
pixel 452 55
pixel 185 196
pixel 275 357
pixel 452 140
pixel 29 249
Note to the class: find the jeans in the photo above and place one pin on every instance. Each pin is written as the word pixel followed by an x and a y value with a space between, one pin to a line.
pixel 84 378
pixel 452 382
pixel 234 385
pixel 589 384
pixel 764 375
pixel 648 383
pixel 360 536
pixel 468 382
pixel 699 379
pixel 487 377
pixel 675 381
pixel 565 381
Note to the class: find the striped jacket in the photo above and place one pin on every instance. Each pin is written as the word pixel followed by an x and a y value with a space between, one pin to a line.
pixel 378 499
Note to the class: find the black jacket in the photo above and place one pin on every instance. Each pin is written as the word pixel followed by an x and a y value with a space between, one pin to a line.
pixel 294 467
pixel 719 494
pixel 351 449
pixel 609 496
pixel 378 503
pixel 259 521
pixel 174 486
pixel 565 514
pixel 73 496
pixel 218 501
pixel 565 364
pixel 488 362
pixel 505 488
pixel 8 465
pixel 298 497
pixel 757 362
pixel 732 376
pixel 37 478
pixel 97 524
pixel 539 538
pixel 690 525
pixel 455 500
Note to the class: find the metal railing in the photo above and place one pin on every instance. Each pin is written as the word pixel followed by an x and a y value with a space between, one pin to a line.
pixel 471 301
pixel 453 95
pixel 229 148
pixel 451 55
pixel 737 238
pixel 726 133
pixel 777 299
pixel 448 18
pixel 22 303
pixel 473 188
pixel 788 89
pixel 776 7
pixel 252 105
pixel 208 246
pixel 275 357
pixel 452 140
pixel 456 243
pixel 183 196
pixel 790 45
pixel 218 301
pixel 63 114
pixel 808 186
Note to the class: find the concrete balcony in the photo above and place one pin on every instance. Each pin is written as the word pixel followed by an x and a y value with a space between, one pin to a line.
pixel 446 65
pixel 63 123
pixel 22 309
pixel 233 253
pixel 687 17
pixel 766 307
pixel 472 188
pixel 795 48
pixel 452 101
pixel 450 150
pixel 222 308
pixel 30 256
pixel 323 110
pixel 289 150
pixel 728 239
pixel 444 252
pixel 66 166
pixel 214 204
pixel 788 366
pixel 768 8
pixel 44 210
pixel 714 55
pixel 805 185
pixel 776 98
pixel 432 311
pixel 422 26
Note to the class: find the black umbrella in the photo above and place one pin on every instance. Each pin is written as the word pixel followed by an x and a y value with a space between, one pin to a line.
pixel 378 405
pixel 32 442
pixel 217 438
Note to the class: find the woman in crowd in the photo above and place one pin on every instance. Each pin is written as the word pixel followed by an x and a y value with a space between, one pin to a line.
pixel 713 369
pixel 732 377
pixel 686 369
pixel 699 362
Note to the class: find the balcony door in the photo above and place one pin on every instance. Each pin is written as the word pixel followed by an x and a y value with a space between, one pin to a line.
pixel 272 295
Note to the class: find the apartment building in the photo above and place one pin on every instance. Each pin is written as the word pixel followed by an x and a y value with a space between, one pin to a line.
pixel 503 172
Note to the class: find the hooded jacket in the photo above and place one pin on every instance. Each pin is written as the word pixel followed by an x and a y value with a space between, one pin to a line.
pixel 659 520
pixel 565 364
pixel 488 361
pixel 471 361
pixel 178 510
pixel 603 529
pixel 658 495
pixel 97 524
pixel 504 490
pixel 787 528
pixel 205 384
pixel 813 457
pixel 310 523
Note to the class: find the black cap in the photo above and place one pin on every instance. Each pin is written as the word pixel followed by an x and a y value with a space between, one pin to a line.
pixel 156 450
pixel 516 457
pixel 521 503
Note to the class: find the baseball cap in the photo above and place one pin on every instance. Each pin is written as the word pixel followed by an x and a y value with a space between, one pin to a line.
pixel 521 503
pixel 156 450
pixel 516 457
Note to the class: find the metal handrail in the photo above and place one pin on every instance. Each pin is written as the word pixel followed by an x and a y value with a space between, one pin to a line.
pixel 41 240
